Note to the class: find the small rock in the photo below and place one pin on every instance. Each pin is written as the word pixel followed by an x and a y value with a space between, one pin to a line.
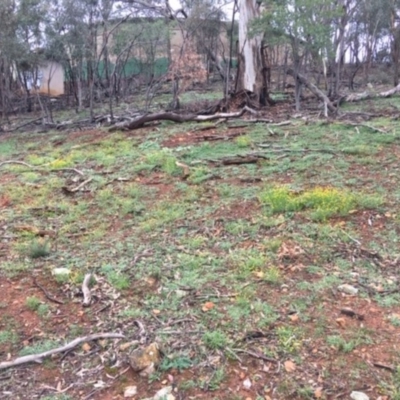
pixel 61 271
pixel 359 396
pixel 141 359
pixel 148 370
pixel 164 393
pixel 130 391
pixel 348 289
pixel 181 293
pixel 247 384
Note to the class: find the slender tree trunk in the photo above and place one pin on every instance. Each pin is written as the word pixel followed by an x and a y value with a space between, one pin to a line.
pixel 395 47
pixel 3 89
pixel 79 87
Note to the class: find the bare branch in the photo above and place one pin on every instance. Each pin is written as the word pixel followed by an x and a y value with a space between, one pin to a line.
pixel 68 346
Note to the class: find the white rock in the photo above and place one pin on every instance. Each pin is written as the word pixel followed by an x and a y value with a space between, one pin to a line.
pixel 247 384
pixel 130 391
pixel 61 271
pixel 359 396
pixel 164 393
pixel 181 293
pixel 348 289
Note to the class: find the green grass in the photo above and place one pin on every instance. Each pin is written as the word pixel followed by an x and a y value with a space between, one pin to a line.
pixel 33 303
pixel 215 340
pixel 322 203
pixel 214 236
pixel 8 337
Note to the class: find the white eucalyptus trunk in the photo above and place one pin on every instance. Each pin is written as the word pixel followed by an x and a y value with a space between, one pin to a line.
pixel 250 50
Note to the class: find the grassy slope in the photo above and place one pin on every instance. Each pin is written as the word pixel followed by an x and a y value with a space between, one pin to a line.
pixel 215 255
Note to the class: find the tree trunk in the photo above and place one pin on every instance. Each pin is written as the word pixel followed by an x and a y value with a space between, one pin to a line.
pixel 250 69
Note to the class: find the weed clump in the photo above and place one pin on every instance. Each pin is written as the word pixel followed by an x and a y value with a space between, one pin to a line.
pixel 33 303
pixel 215 340
pixel 38 249
pixel 322 202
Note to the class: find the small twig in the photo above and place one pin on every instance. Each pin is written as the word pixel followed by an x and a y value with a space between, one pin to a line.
pixel 178 321
pixel 231 352
pixel 69 346
pixel 77 171
pixel 120 374
pixel 257 355
pixel 350 313
pixel 183 332
pixel 46 293
pixel 384 366
pixel 80 186
pixel 372 128
pixel 17 162
pixel 351 238
pixel 59 391
pixel 144 253
pixel 140 325
pixel 103 308
pixel 87 295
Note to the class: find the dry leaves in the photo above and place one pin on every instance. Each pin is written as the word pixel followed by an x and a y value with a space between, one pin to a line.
pixel 341 322
pixel 290 366
pixel 294 317
pixel 290 251
pixel 86 347
pixel 208 306
pixel 318 393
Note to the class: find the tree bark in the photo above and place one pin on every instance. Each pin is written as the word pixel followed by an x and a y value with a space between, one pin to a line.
pixel 251 76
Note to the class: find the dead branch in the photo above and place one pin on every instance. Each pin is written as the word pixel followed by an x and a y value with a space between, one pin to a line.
pixel 256 355
pixel 46 293
pixel 242 160
pixel 204 128
pixel 69 191
pixel 77 171
pixel 220 137
pixel 287 150
pixel 313 88
pixel 372 128
pixel 17 162
pixel 87 295
pixel 8 162
pixel 69 346
pixel 251 110
pixel 370 95
pixel 237 159
pixel 384 366
pixel 23 125
pixel 170 116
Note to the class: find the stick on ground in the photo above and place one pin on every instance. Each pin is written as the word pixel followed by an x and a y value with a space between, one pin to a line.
pixel 68 346
pixel 87 296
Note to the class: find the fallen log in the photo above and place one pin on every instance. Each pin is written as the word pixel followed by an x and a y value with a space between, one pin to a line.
pixel 353 97
pixel 170 116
